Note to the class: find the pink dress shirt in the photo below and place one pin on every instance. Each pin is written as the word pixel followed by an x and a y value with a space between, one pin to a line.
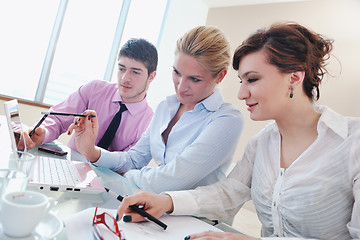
pixel 103 97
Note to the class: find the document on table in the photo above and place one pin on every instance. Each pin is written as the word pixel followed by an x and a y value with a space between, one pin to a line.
pixel 79 226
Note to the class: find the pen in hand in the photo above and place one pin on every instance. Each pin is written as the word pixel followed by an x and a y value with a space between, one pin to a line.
pixel 66 114
pixel 55 113
pixel 37 125
pixel 140 211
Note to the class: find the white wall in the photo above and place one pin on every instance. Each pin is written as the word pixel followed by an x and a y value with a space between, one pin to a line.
pixel 182 16
pixel 339 20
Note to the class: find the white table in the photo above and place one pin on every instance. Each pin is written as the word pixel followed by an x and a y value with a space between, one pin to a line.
pixel 69 203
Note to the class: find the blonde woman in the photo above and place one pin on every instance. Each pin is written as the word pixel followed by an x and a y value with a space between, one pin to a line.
pixel 194 133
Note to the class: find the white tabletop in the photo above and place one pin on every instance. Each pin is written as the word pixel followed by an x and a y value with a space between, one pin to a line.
pixel 69 203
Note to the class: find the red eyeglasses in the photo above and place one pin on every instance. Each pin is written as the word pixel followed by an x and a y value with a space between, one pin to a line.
pixel 109 222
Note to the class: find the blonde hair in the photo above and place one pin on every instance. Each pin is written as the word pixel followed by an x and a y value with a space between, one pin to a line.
pixel 208 45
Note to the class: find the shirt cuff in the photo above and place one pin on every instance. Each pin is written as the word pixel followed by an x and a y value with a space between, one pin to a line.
pixel 184 203
pixel 103 159
pixel 131 174
pixel 47 135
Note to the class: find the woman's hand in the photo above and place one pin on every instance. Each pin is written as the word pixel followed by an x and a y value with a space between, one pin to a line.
pixel 86 130
pixel 209 235
pixel 154 204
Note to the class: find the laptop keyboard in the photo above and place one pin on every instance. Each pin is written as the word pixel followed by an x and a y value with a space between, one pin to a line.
pixel 57 171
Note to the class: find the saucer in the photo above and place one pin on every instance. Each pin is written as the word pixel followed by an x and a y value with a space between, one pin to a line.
pixel 48 228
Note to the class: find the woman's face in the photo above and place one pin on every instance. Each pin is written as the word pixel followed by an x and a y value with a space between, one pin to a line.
pixel 192 82
pixel 264 89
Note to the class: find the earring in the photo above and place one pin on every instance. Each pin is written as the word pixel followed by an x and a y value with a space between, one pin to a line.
pixel 291 92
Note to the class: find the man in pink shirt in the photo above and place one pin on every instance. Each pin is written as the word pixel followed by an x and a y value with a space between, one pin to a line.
pixel 137 62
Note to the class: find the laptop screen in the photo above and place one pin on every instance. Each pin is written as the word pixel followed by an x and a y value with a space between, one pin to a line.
pixel 14 124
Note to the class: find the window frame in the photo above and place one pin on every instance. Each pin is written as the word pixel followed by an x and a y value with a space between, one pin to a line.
pixel 51 49
pixel 45 72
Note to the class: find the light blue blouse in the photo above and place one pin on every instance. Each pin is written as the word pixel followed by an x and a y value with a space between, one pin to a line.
pixel 198 152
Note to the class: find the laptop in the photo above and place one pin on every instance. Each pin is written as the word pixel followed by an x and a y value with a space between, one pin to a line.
pixel 49 173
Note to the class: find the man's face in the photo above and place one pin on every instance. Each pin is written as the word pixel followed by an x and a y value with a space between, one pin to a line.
pixel 133 79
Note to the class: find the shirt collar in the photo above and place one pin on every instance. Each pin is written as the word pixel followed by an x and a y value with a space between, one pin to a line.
pixel 329 119
pixel 211 103
pixel 133 108
pixel 333 120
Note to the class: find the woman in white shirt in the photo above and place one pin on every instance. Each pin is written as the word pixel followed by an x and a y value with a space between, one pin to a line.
pixel 302 171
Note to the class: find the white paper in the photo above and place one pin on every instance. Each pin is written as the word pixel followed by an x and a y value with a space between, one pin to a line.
pixel 79 226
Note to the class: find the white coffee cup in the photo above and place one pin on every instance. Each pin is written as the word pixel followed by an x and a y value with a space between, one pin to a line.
pixel 22 212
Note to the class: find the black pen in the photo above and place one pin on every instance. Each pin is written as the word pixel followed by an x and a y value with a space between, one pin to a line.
pixel 140 211
pixel 66 114
pixel 38 124
pixel 17 134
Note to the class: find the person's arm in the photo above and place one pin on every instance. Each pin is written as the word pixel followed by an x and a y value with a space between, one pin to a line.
pixel 219 201
pixel 74 103
pixel 135 158
pixel 223 199
pixel 213 148
pixel 86 130
pixel 159 204
pixel 354 224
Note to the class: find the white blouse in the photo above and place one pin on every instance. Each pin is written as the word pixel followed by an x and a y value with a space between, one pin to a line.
pixel 318 196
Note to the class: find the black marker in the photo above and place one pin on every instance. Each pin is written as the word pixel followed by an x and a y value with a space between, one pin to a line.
pixel 66 114
pixel 140 211
pixel 37 125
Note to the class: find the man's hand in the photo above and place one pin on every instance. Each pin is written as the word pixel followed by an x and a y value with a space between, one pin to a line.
pixel 35 140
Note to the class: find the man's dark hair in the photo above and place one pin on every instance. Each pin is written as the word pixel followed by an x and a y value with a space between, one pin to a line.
pixel 141 50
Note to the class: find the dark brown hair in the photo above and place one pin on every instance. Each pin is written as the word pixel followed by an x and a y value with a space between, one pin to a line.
pixel 291 47
pixel 141 50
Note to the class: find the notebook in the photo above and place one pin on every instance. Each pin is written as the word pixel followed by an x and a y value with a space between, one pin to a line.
pixel 48 173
